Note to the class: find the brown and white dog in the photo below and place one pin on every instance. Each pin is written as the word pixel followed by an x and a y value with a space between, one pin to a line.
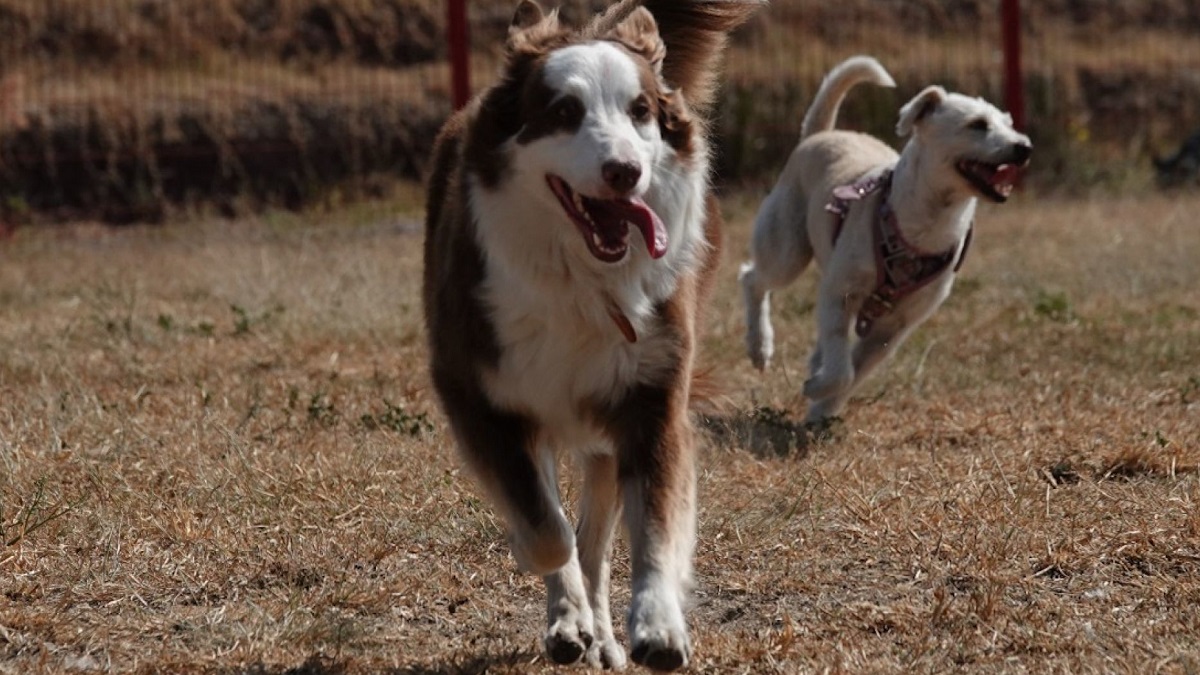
pixel 570 241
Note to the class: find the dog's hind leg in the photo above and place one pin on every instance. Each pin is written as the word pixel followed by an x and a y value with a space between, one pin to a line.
pixel 781 252
pixel 578 617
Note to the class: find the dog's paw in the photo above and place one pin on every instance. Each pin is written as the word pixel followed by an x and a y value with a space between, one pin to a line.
pixel 658 635
pixel 606 653
pixel 760 346
pixel 567 641
pixel 663 655
pixel 824 386
pixel 569 634
pixel 758 358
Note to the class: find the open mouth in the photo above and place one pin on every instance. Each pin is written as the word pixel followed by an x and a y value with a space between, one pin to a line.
pixel 994 181
pixel 605 223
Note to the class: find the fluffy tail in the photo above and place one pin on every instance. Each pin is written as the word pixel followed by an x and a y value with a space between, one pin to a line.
pixel 694 32
pixel 822 114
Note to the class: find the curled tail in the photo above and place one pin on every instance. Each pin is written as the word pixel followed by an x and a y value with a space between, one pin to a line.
pixel 822 114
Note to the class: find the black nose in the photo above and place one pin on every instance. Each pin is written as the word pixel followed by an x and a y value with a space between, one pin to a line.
pixel 622 177
pixel 1021 152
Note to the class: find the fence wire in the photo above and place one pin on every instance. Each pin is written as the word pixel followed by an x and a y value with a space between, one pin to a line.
pixel 124 108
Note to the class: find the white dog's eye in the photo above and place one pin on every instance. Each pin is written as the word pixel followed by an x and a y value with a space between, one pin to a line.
pixel 979 125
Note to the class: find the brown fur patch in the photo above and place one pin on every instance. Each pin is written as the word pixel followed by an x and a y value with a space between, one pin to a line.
pixel 694 34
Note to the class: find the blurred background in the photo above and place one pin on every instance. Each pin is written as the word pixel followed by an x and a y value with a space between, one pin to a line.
pixel 125 110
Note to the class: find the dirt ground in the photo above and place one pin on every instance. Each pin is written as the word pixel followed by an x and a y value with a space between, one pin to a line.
pixel 219 453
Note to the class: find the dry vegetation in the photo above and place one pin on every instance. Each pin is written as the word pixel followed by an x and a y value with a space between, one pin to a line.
pixel 219 453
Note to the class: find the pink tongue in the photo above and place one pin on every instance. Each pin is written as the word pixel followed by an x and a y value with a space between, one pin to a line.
pixel 1006 174
pixel 654 232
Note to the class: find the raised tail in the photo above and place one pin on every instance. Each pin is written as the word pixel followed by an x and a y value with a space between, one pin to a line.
pixel 822 114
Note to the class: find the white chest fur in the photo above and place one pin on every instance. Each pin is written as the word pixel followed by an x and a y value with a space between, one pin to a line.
pixel 560 349
pixel 560 355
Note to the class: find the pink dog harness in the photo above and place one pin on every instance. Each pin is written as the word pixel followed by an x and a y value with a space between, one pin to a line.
pixel 900 268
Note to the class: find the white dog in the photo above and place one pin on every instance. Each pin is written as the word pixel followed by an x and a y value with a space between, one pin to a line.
pixel 888 231
pixel 571 242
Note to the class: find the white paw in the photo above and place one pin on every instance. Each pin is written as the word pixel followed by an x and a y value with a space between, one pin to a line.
pixel 759 350
pixel 607 654
pixel 658 636
pixel 760 335
pixel 570 637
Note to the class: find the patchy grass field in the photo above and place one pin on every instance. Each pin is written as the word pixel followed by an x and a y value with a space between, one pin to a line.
pixel 219 453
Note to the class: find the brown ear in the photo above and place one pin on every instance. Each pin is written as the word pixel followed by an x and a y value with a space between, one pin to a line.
pixel 530 25
pixel 528 13
pixel 639 32
pixel 675 120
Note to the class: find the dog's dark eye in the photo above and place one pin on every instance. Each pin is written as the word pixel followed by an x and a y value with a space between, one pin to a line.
pixel 567 111
pixel 640 110
pixel 979 125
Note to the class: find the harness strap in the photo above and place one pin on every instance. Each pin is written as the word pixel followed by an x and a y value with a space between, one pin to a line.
pixel 900 269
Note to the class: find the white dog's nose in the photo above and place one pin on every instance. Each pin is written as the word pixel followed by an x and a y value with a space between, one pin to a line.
pixel 1022 152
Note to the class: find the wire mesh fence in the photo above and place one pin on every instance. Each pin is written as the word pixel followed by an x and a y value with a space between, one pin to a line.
pixel 126 108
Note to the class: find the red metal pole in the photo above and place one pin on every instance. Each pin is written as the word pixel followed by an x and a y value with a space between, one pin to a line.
pixel 1014 87
pixel 460 67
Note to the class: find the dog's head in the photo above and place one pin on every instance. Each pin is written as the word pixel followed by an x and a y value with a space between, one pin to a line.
pixel 593 123
pixel 973 140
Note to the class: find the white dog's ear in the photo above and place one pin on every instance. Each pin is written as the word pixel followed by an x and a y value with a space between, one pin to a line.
pixel 922 105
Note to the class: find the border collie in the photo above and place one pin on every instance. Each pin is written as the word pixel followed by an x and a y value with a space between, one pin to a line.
pixel 571 240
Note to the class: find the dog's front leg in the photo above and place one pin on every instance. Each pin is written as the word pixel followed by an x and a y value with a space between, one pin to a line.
pixel 836 309
pixel 657 475
pixel 579 623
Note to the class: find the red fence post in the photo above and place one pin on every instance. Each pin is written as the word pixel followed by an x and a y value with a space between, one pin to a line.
pixel 460 66
pixel 1014 82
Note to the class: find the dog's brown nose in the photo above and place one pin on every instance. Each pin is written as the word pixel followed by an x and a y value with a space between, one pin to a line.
pixel 622 177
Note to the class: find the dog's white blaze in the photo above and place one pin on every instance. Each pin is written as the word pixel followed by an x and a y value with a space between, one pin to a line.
pixel 607 81
pixel 549 297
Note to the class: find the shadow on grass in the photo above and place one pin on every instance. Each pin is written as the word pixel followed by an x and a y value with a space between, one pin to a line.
pixel 770 432
pixel 514 661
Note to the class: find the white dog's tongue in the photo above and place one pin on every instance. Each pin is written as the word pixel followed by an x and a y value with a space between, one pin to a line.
pixel 638 214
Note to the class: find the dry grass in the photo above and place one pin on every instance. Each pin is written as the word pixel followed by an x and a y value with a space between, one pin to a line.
pixel 219 452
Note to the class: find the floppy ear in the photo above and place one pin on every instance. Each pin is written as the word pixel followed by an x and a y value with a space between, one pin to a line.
pixel 920 107
pixel 529 25
pixel 639 32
